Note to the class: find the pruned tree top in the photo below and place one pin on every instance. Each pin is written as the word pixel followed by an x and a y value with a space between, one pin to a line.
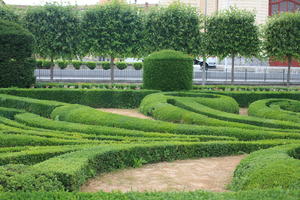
pixel 176 27
pixel 282 36
pixel 233 32
pixel 56 30
pixel 113 29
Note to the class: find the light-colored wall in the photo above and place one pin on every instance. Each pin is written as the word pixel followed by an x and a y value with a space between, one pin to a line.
pixel 260 7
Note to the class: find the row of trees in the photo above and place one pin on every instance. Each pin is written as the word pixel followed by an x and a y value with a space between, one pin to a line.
pixel 118 30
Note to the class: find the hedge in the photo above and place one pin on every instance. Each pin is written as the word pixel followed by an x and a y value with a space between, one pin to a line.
pixel 271 168
pixel 190 108
pixel 275 194
pixel 95 97
pixel 85 163
pixel 168 70
pixel 279 109
pixel 245 98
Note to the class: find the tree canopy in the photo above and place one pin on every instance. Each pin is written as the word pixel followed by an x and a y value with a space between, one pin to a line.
pixel 174 27
pixel 282 38
pixel 114 30
pixel 233 33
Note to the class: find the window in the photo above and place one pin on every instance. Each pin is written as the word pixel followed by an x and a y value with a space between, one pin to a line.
pixel 278 6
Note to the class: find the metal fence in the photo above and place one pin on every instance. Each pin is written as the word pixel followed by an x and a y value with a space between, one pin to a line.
pixel 130 75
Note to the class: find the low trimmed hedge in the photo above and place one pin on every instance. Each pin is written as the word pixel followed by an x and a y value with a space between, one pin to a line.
pixel 73 169
pixel 245 98
pixel 266 169
pixel 275 194
pixel 188 108
pixel 279 109
pixel 95 97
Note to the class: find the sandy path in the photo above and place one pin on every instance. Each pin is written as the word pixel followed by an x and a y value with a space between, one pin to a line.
pixel 211 174
pixel 126 112
pixel 243 111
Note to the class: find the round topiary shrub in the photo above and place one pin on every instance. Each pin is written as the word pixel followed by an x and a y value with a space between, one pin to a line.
pixel 168 70
pixel 16 65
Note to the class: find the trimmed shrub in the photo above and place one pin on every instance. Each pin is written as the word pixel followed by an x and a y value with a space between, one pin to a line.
pixel 168 70
pixel 105 65
pixel 121 65
pixel 15 42
pixel 76 64
pixel 62 64
pixel 39 64
pixel 137 65
pixel 8 14
pixel 47 64
pixel 91 65
pixel 16 65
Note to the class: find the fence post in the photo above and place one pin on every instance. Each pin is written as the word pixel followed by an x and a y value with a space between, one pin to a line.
pixel 265 75
pixel 226 74
pixel 283 74
pixel 245 74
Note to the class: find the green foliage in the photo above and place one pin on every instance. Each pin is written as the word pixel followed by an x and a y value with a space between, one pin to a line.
pixel 8 14
pixel 16 41
pixel 105 98
pixel 105 65
pixel 56 30
pixel 77 64
pixel 16 65
pixel 47 64
pixel 174 27
pixel 39 64
pixel 282 36
pixel 113 29
pixel 62 64
pixel 137 65
pixel 91 65
pixel 232 33
pixel 280 109
pixel 271 168
pixel 275 194
pixel 168 70
pixel 121 65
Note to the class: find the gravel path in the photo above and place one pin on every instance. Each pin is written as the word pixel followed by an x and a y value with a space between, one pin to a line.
pixel 212 174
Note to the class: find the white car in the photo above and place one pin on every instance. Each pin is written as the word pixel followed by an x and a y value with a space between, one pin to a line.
pixel 211 62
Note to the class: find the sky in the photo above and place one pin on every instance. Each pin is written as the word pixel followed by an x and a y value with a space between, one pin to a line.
pixel 72 2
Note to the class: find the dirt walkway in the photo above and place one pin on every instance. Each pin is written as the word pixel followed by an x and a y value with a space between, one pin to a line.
pixel 243 111
pixel 211 174
pixel 126 112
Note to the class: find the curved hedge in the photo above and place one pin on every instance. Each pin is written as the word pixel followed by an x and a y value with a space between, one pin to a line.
pixel 280 109
pixel 168 70
pixel 271 168
pixel 53 146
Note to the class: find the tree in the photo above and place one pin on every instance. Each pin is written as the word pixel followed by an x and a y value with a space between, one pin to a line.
pixel 113 29
pixel 233 33
pixel 174 27
pixel 56 30
pixel 282 38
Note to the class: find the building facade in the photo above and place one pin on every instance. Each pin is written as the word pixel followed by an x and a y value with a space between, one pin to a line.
pixel 262 8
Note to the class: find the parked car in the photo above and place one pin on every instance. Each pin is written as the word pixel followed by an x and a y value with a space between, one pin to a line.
pixel 211 62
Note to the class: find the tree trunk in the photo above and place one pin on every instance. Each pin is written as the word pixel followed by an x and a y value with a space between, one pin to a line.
pixel 112 70
pixel 232 69
pixel 289 71
pixel 51 70
pixel 203 70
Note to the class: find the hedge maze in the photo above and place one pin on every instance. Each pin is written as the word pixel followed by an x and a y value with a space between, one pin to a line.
pixel 50 146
